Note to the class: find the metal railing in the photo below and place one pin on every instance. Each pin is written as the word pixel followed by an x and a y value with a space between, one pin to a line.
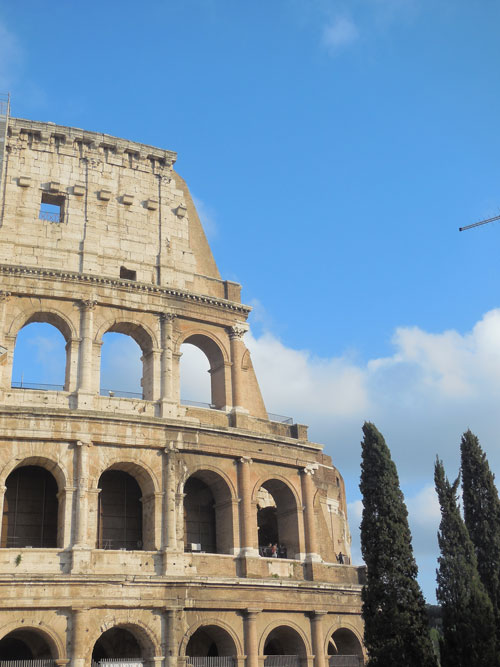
pixel 116 662
pixel 198 404
pixel 28 663
pixel 282 661
pixel 49 216
pixel 345 661
pixel 120 545
pixel 37 385
pixel 117 393
pixel 211 661
pixel 269 552
pixel 279 418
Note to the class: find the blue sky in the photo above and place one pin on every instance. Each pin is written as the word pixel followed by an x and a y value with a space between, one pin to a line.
pixel 334 148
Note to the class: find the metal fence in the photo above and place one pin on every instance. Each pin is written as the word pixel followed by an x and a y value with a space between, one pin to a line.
pixel 120 394
pixel 345 661
pixel 207 661
pixel 279 418
pixel 282 661
pixel 36 385
pixel 119 662
pixel 27 663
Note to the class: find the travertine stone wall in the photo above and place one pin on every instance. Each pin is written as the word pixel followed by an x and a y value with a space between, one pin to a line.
pixel 124 207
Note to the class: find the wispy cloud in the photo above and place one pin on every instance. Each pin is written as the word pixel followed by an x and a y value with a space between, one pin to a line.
pixel 339 33
pixel 207 216
pixel 11 56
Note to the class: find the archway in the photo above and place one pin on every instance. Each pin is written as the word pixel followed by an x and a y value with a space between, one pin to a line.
pixel 344 649
pixel 30 510
pixel 40 357
pixel 208 520
pixel 121 366
pixel 211 646
pixel 25 644
pixel 284 647
pixel 277 520
pixel 121 643
pixel 212 351
pixel 195 380
pixel 119 512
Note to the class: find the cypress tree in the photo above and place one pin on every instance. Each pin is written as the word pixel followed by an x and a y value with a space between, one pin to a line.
pixel 468 620
pixel 482 518
pixel 396 629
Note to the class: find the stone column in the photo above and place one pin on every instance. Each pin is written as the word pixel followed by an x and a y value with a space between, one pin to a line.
pixel 6 356
pixel 169 533
pixel 309 515
pixel 3 538
pixel 166 376
pixel 80 647
pixel 247 528
pixel 171 638
pixel 86 357
pixel 318 643
pixel 65 516
pixel 71 376
pixel 251 641
pixel 82 508
pixel 236 334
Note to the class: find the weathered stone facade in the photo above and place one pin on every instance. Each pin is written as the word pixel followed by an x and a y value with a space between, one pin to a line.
pixel 126 253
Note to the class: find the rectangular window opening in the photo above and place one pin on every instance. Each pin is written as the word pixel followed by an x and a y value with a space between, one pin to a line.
pixel 51 207
pixel 128 274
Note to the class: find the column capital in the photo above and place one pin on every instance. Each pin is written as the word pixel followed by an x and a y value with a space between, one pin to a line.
pixel 168 317
pixel 4 295
pixel 245 459
pixel 88 304
pixel 253 611
pixel 310 469
pixel 83 443
pixel 318 613
pixel 237 331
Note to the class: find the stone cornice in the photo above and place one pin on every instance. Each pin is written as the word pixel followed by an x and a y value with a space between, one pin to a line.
pixel 71 276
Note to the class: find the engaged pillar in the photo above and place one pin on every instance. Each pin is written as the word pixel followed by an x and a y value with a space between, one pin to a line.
pixel 309 516
pixel 318 643
pixel 251 642
pixel 247 522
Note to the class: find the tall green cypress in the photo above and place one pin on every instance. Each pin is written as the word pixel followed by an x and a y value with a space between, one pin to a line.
pixel 482 518
pixel 396 629
pixel 468 620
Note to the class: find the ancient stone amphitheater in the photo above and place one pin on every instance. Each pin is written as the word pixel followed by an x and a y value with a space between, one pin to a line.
pixel 144 530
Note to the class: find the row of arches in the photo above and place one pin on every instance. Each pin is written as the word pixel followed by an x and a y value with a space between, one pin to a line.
pixel 129 642
pixel 31 512
pixel 41 357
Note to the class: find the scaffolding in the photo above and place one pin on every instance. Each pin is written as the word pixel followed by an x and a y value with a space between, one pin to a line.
pixel 4 119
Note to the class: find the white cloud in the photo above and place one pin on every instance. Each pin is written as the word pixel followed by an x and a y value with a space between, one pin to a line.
pixel 10 58
pixel 207 217
pixel 338 33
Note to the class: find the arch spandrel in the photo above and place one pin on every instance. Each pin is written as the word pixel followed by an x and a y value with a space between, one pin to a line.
pixel 51 465
pixel 145 635
pixel 143 334
pixel 141 472
pixel 54 641
pixel 213 477
pixel 210 622
pixel 214 347
pixel 287 624
pixel 43 314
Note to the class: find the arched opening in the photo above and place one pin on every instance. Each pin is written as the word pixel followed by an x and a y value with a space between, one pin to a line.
pixel 119 643
pixel 121 366
pixel 208 521
pixel 211 646
pixel 284 647
pixel 277 520
pixel 25 644
pixel 195 376
pixel 30 509
pixel 216 370
pixel 40 358
pixel 344 649
pixel 119 521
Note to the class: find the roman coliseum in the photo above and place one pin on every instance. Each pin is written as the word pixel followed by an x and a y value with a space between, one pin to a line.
pixel 144 530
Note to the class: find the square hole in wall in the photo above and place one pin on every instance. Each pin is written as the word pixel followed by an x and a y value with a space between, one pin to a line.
pixel 128 274
pixel 51 207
